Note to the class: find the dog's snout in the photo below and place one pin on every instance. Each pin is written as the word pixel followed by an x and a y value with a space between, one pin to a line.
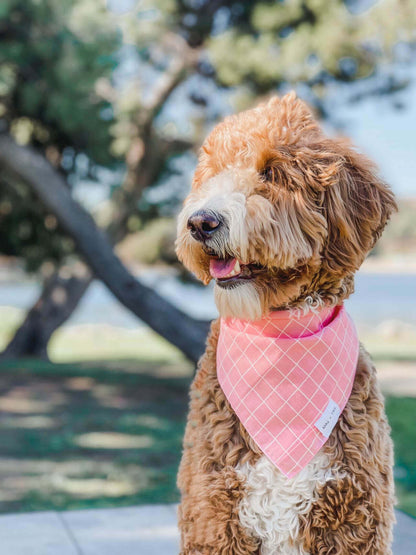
pixel 203 224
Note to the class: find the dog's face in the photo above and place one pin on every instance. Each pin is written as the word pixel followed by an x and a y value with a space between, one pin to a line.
pixel 279 215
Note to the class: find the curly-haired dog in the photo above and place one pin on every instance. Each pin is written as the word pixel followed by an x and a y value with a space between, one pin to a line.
pixel 282 217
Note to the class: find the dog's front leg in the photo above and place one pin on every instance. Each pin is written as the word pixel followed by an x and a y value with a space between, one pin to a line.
pixel 209 522
pixel 210 487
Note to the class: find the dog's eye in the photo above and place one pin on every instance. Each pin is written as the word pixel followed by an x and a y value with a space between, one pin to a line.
pixel 268 173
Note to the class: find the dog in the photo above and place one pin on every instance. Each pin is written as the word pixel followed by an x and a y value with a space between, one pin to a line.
pixel 281 217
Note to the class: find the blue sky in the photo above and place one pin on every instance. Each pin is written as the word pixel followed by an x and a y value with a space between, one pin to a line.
pixel 384 132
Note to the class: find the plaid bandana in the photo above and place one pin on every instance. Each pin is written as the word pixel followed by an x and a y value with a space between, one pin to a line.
pixel 288 378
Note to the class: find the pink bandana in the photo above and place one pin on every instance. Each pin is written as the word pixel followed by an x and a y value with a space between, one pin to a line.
pixel 288 378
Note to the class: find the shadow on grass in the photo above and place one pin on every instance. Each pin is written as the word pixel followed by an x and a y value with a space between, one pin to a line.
pixel 89 435
pixel 109 434
pixel 401 412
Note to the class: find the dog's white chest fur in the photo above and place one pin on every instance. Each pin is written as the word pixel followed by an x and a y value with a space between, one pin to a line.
pixel 272 503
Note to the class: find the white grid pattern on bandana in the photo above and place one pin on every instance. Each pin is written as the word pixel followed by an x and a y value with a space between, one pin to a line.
pixel 279 387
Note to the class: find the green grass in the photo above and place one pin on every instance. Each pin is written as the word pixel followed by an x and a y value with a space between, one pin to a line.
pixel 391 349
pixel 401 412
pixel 74 435
pixel 83 435
pixel 92 342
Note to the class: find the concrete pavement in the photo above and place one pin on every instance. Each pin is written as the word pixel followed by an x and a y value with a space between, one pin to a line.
pixel 144 530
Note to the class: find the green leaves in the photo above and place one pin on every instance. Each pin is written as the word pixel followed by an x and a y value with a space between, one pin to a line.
pixel 292 42
pixel 56 51
pixel 52 54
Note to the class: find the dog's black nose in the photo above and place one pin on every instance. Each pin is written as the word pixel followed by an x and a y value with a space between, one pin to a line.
pixel 203 224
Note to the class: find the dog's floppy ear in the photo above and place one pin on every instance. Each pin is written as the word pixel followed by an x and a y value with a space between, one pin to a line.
pixel 358 205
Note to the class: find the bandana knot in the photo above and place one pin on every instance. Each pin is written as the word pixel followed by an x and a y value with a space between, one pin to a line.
pixel 288 378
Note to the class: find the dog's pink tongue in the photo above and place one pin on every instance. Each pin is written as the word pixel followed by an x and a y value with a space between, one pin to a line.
pixel 221 268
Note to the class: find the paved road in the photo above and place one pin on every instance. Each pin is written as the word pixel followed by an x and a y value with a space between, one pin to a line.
pixel 378 297
pixel 145 530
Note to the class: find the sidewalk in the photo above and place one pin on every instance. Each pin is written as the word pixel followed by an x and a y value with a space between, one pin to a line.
pixel 145 530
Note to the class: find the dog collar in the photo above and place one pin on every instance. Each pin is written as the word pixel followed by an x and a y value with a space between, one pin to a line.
pixel 288 378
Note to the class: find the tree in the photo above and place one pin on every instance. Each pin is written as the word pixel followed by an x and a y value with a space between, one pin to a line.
pixel 145 153
pixel 239 49
pixel 178 328
pixel 51 57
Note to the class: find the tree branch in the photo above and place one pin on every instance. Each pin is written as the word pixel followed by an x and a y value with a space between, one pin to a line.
pixel 183 60
pixel 60 296
pixel 181 330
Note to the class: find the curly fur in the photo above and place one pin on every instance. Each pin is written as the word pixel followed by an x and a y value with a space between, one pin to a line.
pixel 306 210
pixel 273 504
pixel 214 444
pixel 354 512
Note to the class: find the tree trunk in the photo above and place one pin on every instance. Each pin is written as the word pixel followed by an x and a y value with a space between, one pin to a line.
pixel 178 328
pixel 60 296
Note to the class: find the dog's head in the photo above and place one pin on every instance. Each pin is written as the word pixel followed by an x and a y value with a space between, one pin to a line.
pixel 279 215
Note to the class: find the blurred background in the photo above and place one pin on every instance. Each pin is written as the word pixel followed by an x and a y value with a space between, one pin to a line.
pixel 102 109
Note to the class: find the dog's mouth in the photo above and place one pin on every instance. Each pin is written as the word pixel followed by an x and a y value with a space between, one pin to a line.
pixel 229 271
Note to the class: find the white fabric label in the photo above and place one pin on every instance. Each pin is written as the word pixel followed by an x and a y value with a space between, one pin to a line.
pixel 329 418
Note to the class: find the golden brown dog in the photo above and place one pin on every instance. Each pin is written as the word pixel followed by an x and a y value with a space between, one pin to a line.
pixel 299 212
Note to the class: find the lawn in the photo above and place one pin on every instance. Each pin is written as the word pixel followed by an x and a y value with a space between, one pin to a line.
pixel 78 435
pixel 88 435
pixel 401 412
